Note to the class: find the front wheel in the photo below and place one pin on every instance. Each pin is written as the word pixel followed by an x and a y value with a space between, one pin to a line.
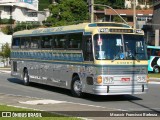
pixel 76 87
pixel 156 69
pixel 26 77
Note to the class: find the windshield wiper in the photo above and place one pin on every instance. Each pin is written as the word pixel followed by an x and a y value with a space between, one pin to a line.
pixel 134 56
pixel 116 56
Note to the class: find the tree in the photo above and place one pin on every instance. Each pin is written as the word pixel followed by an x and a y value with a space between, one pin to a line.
pixel 5 51
pixel 103 2
pixel 68 12
pixel 7 30
pixel 118 4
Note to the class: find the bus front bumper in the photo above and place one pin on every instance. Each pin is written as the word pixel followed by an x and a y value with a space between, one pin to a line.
pixel 120 90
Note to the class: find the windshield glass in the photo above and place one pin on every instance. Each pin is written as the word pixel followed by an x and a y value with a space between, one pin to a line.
pixel 119 47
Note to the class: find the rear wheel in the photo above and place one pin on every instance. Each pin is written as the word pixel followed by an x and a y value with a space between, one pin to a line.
pixel 76 87
pixel 26 77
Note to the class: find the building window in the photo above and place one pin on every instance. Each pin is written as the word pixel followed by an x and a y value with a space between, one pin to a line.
pixel 7 10
pixel 32 14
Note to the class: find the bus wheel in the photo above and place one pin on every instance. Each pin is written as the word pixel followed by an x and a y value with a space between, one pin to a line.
pixel 25 77
pixel 76 87
pixel 156 69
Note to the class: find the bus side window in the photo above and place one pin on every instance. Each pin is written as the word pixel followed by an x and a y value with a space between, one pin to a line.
pixel 59 41
pixel 87 49
pixel 34 42
pixel 16 43
pixel 46 42
pixel 75 41
pixel 27 43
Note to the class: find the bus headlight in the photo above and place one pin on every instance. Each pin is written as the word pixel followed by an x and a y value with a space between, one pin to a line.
pixel 141 79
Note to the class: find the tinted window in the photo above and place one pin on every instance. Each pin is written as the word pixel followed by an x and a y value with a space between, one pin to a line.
pixel 59 41
pixel 75 41
pixel 46 42
pixel 16 43
pixel 35 42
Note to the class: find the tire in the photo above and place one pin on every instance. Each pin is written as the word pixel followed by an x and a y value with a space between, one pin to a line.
pixel 25 77
pixel 156 69
pixel 76 87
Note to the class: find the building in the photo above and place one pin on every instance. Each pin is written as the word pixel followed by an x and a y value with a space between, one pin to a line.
pixel 19 10
pixel 142 16
pixel 142 5
pixel 156 21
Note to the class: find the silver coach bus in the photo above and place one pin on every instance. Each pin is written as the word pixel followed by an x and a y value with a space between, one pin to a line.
pixel 97 58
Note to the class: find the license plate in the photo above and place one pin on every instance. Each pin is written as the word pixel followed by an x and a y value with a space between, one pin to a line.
pixel 125 79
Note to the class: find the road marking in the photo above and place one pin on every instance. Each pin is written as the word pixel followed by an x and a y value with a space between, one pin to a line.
pixel 42 102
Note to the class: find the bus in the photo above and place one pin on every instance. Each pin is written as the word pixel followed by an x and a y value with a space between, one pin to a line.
pixel 153 59
pixel 105 58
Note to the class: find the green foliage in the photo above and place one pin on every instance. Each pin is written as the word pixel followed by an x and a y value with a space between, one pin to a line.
pixel 68 12
pixel 43 4
pixel 7 30
pixel 103 2
pixel 118 4
pixel 5 51
pixel 6 21
pixel 118 19
pixel 26 25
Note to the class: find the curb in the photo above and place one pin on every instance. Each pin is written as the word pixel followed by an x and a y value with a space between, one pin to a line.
pixel 5 71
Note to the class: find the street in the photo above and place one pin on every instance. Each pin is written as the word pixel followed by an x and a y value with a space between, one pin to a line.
pixel 143 102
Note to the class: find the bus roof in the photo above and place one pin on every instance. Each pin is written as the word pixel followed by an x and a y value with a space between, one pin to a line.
pixel 154 47
pixel 83 27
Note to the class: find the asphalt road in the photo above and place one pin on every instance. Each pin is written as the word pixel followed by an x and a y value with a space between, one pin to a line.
pixel 149 101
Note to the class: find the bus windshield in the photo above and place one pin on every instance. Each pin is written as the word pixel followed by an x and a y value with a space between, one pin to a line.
pixel 119 47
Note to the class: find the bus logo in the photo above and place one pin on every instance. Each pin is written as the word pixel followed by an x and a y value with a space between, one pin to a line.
pixel 125 79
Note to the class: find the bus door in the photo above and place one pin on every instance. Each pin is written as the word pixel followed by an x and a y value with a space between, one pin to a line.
pixel 88 62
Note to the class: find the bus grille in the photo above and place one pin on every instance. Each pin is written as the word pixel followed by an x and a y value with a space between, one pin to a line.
pixel 125 70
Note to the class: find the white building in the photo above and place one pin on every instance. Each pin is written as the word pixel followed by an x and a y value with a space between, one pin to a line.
pixel 19 10
pixel 129 4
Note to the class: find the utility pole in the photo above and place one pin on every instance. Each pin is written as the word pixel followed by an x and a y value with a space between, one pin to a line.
pixel 134 13
pixel 92 11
